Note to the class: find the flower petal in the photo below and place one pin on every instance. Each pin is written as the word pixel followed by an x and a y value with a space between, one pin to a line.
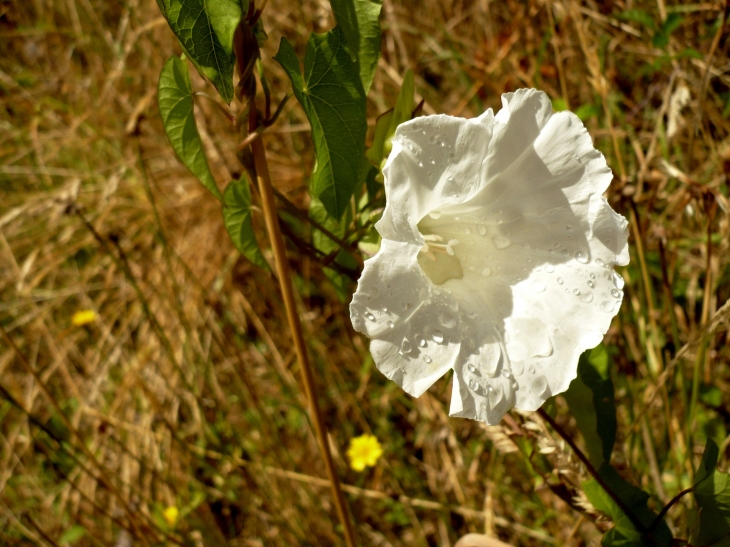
pixel 435 161
pixel 413 325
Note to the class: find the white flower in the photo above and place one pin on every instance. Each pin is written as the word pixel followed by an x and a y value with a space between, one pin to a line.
pixel 497 257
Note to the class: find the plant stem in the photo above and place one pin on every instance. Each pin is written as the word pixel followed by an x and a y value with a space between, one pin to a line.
pixel 593 471
pixel 287 290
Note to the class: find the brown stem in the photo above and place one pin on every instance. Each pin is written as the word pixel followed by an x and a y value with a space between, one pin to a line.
pixel 287 290
pixel 592 470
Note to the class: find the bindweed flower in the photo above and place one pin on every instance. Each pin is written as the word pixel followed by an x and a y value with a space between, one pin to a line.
pixel 364 451
pixel 497 258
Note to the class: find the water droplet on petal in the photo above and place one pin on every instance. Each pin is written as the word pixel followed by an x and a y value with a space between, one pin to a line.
pixel 616 293
pixel 437 336
pixel 586 297
pixel 582 257
pixel 592 275
pixel 427 358
pixel 560 280
pixel 576 292
pixel 370 316
pixel 531 370
pixel 434 215
pixel 473 385
pixel 599 262
pixel 486 271
pixel 538 286
pixel 607 306
pixel 618 281
pixel 467 230
pixel 495 396
pixel 501 242
pixel 390 324
pixel 447 320
pixel 472 368
pixel 591 284
pixel 481 229
pixel 421 341
pixel 549 268
pixel 539 385
pixel 405 347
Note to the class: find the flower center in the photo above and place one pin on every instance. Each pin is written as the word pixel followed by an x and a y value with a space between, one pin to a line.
pixel 438 259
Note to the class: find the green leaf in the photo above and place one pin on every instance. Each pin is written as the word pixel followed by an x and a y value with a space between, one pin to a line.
pixel 590 398
pixel 175 98
pixel 325 244
pixel 672 23
pixel 638 16
pixel 359 22
pixel 237 219
pixel 712 493
pixel 388 121
pixel 625 533
pixel 587 111
pixel 205 30
pixel 73 534
pixel 334 101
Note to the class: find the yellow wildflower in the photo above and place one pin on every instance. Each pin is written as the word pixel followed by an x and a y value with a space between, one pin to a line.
pixel 364 451
pixel 170 515
pixel 83 317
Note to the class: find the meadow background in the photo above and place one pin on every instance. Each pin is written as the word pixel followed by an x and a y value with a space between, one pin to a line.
pixel 184 391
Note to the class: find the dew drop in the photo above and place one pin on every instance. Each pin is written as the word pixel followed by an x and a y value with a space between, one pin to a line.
pixel 591 284
pixel 538 286
pixel 501 242
pixel 560 280
pixel 539 385
pixel 599 261
pixel 607 306
pixel 531 370
pixel 576 292
pixel 405 347
pixel 549 268
pixel 421 341
pixel 592 275
pixel 473 385
pixel 384 309
pixel 486 271
pixel 447 320
pixel 370 316
pixel 618 281
pixel 467 230
pixel 437 336
pixel 586 297
pixel 472 368
pixel 390 324
pixel 616 293
pixel 495 396
pixel 435 215
pixel 420 163
pixel 427 358
pixel 582 257
pixel 481 229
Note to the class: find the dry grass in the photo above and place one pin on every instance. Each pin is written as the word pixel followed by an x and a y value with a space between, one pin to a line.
pixel 185 391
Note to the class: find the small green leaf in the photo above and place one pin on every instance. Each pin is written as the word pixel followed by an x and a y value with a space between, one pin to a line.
pixel 672 23
pixel 175 97
pixel 205 30
pixel 638 16
pixel 237 219
pixel 334 101
pixel 590 398
pixel 559 104
pixel 712 493
pixel 73 534
pixel 325 244
pixel 625 533
pixel 359 22
pixel 388 121
pixel 587 111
